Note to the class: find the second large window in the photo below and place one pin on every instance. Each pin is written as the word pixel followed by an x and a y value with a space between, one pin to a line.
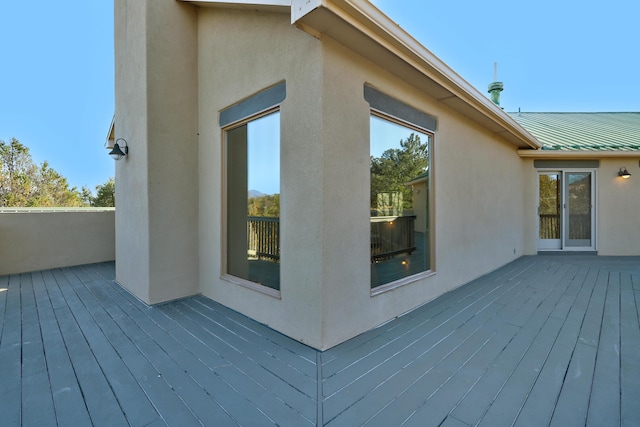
pixel 399 200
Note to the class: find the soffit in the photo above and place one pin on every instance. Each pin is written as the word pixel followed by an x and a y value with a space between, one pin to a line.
pixel 366 30
pixel 282 6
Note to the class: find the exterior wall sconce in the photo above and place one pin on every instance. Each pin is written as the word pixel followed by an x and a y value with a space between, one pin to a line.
pixel 120 149
pixel 623 172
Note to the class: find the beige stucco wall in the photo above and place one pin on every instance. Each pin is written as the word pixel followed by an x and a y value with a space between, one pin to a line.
pixel 477 199
pixel 46 238
pixel 618 208
pixel 157 183
pixel 616 205
pixel 325 271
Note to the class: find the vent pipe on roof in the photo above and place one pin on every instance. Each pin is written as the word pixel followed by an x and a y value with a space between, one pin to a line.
pixel 496 87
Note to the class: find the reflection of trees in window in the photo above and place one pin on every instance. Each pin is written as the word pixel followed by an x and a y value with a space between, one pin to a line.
pixel 265 205
pixel 549 201
pixel 390 173
pixel 549 194
pixel 579 205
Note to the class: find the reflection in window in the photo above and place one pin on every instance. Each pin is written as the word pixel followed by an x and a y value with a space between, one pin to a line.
pixel 253 201
pixel 399 201
pixel 549 188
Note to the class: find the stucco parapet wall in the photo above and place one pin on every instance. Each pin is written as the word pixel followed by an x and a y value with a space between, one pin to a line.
pixel 42 238
pixel 50 210
pixel 559 154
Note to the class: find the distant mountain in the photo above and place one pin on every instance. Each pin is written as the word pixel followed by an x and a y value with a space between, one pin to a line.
pixel 256 193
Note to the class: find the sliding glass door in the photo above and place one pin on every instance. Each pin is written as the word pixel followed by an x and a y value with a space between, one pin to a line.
pixel 566 219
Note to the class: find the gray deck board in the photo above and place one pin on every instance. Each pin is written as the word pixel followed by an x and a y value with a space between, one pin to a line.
pixel 629 353
pixel 604 404
pixel 543 341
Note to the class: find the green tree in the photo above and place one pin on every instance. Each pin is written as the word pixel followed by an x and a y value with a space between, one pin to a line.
pixel 87 196
pixel 394 168
pixel 105 194
pixel 25 184
pixel 16 173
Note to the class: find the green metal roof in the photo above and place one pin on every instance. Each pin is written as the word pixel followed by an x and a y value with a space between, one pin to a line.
pixel 583 131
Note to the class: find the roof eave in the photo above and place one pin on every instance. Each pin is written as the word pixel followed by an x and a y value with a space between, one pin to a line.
pixel 558 154
pixel 363 28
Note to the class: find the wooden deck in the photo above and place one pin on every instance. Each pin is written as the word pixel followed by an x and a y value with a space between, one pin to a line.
pixel 545 340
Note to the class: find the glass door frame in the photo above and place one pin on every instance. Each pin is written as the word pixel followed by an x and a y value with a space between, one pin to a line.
pixel 561 244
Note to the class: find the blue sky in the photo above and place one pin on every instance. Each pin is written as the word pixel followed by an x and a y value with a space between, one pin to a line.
pixel 56 84
pixel 56 77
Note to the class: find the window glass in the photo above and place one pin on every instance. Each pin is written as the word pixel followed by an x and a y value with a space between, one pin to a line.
pixel 253 201
pixel 399 201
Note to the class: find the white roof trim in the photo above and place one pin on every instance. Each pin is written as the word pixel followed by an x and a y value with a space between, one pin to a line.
pixel 560 154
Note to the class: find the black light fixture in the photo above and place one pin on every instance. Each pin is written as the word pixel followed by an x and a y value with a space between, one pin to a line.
pixel 623 172
pixel 120 149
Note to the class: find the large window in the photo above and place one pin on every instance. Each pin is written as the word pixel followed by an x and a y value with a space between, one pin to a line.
pixel 253 200
pixel 400 178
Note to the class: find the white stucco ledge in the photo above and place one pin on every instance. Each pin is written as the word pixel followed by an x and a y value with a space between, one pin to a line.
pixel 43 238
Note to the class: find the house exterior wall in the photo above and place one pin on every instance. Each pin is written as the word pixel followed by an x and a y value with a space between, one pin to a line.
pixel 157 183
pixel 618 207
pixel 477 206
pixel 325 246
pixel 242 53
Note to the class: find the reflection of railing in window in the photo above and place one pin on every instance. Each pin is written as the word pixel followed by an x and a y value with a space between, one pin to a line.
pixel 549 226
pixel 579 226
pixel 392 236
pixel 263 235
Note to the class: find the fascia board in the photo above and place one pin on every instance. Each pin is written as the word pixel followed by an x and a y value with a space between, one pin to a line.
pixel 380 30
pixel 557 154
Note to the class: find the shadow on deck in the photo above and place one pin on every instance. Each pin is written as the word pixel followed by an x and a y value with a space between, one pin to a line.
pixel 541 341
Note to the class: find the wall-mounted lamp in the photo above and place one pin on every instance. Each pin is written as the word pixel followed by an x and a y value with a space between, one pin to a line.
pixel 623 172
pixel 120 149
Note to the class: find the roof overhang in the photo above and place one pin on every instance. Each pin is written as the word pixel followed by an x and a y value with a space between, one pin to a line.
pixel 282 6
pixel 557 154
pixel 362 27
